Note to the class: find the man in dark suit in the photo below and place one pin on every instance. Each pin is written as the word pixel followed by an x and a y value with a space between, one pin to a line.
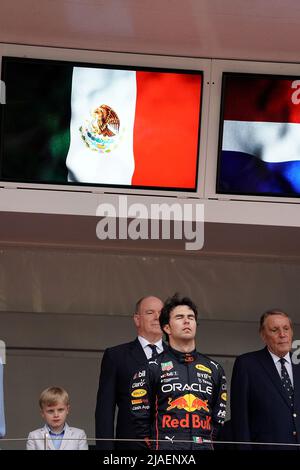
pixel 119 364
pixel 265 389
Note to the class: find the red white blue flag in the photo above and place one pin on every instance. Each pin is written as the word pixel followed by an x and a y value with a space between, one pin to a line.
pixel 260 150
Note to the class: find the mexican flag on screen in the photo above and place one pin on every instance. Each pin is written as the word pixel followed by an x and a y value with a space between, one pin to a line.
pixel 134 128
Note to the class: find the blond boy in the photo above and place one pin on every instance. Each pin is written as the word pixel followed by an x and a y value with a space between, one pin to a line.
pixel 56 433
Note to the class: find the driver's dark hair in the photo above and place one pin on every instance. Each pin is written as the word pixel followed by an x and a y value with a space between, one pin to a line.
pixel 173 302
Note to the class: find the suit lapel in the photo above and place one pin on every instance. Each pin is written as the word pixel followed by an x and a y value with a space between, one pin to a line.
pixel 296 379
pixel 270 369
pixel 50 445
pixel 67 435
pixel 137 353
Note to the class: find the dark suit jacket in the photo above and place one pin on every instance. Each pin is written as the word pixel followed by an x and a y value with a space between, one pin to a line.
pixel 260 411
pixel 119 364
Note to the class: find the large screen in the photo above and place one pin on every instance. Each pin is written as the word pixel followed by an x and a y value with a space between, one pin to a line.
pixel 101 125
pixel 259 139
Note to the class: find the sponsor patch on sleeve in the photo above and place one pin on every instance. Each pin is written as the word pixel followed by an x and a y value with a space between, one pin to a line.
pixel 139 392
pixel 203 368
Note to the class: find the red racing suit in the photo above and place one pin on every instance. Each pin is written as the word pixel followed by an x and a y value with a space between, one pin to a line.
pixel 178 402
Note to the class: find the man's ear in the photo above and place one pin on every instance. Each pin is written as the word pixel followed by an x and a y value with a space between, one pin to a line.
pixel 262 335
pixel 166 329
pixel 136 319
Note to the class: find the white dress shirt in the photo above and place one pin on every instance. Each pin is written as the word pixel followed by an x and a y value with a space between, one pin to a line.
pixel 145 345
pixel 288 365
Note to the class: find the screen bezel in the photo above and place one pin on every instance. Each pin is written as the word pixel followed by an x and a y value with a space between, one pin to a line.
pixel 128 61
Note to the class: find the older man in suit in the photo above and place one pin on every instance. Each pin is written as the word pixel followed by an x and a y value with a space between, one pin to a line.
pixel 265 389
pixel 119 364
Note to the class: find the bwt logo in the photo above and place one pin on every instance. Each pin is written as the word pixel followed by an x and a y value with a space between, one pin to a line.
pixel 2 352
pixel 122 221
pixel 2 92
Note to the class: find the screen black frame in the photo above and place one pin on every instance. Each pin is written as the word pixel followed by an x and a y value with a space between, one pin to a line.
pixel 6 58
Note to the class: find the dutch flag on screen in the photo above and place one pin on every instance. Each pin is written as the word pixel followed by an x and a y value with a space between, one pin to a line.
pixel 261 136
pixel 134 128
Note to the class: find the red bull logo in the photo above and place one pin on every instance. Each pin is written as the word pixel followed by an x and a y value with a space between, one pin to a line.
pixel 189 421
pixel 188 402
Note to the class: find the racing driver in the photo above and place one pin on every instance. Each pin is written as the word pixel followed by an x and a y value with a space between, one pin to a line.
pixel 178 401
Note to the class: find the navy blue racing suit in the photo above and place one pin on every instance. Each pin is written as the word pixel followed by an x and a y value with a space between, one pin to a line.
pixel 178 402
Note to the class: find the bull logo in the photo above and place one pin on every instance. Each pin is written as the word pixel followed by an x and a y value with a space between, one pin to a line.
pixel 188 402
